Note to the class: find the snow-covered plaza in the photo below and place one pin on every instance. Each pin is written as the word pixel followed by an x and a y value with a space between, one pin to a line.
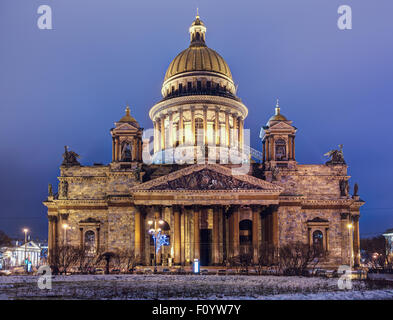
pixel 189 287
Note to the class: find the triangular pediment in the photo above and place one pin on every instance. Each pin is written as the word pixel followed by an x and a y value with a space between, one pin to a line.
pixel 282 125
pixel 207 177
pixel 125 126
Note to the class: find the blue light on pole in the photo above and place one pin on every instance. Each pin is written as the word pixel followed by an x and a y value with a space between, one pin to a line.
pixel 160 240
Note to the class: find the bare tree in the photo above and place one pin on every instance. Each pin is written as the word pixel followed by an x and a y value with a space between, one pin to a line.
pixel 296 257
pixel 64 257
pixel 129 260
pixel 5 240
pixel 376 252
pixel 87 260
pixel 267 257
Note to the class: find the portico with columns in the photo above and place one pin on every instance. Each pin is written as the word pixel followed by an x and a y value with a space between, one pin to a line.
pixel 204 218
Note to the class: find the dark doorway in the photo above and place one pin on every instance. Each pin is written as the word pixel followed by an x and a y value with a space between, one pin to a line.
pixel 206 240
pixel 245 227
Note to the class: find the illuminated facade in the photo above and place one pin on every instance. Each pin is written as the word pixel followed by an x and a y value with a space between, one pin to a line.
pixel 198 178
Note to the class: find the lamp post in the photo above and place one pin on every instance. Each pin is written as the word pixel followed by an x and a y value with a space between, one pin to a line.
pixel 25 230
pixel 350 232
pixel 65 227
pixel 154 231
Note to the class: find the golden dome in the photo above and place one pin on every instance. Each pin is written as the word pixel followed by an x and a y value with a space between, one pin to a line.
pixel 198 57
pixel 128 118
pixel 278 116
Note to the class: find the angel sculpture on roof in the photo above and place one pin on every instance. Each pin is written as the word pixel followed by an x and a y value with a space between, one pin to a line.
pixel 70 158
pixel 336 156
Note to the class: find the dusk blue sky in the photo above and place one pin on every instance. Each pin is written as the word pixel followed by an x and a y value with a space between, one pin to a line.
pixel 68 85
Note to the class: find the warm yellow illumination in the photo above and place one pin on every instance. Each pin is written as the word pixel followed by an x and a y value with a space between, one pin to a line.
pixel 150 222
pixel 25 230
pixel 65 226
pixel 161 222
pixel 349 225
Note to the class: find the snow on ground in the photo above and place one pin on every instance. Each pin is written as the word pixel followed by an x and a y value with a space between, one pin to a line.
pixel 187 287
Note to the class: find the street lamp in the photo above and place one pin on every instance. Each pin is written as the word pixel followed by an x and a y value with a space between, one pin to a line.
pixel 65 227
pixel 25 230
pixel 154 231
pixel 350 231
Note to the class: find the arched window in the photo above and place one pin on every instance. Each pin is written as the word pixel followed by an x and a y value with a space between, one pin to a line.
pixel 198 130
pixel 317 240
pixel 280 149
pixel 90 238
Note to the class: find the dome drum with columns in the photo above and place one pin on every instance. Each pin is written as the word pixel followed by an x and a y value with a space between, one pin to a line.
pixel 199 105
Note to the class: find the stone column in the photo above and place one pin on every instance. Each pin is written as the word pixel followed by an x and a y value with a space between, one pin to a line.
pixel 345 244
pixel 118 149
pixel 157 134
pixel 197 249
pixel 157 217
pixel 163 145
pixel 182 236
pixel 134 149
pixel 177 235
pixel 327 239
pixel 116 154
pixel 293 148
pixel 193 126
pixel 139 149
pixel 235 133
pixel 216 231
pixel 255 235
pixel 170 135
pixel 230 235
pixel 50 231
pixel 81 238
pixel 113 149
pixel 356 241
pixel 227 128
pixel 217 127
pixel 272 152
pixel 275 230
pixel 204 125
pixel 181 127
pixel 236 238
pixel 51 236
pixel 55 234
pixel 241 133
pixel 98 239
pixel 137 234
pixel 267 148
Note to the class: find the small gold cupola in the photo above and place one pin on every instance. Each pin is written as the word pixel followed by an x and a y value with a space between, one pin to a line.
pixel 197 32
pixel 127 139
pixel 277 116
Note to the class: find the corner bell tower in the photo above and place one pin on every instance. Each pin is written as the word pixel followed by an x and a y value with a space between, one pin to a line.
pixel 127 139
pixel 278 142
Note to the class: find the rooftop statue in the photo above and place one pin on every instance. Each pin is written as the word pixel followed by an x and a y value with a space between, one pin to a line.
pixel 70 158
pixel 336 156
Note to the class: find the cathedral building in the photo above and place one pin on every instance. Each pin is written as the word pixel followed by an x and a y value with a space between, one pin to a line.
pixel 195 177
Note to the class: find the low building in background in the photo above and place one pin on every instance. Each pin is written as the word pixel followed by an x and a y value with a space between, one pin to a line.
pixel 35 253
